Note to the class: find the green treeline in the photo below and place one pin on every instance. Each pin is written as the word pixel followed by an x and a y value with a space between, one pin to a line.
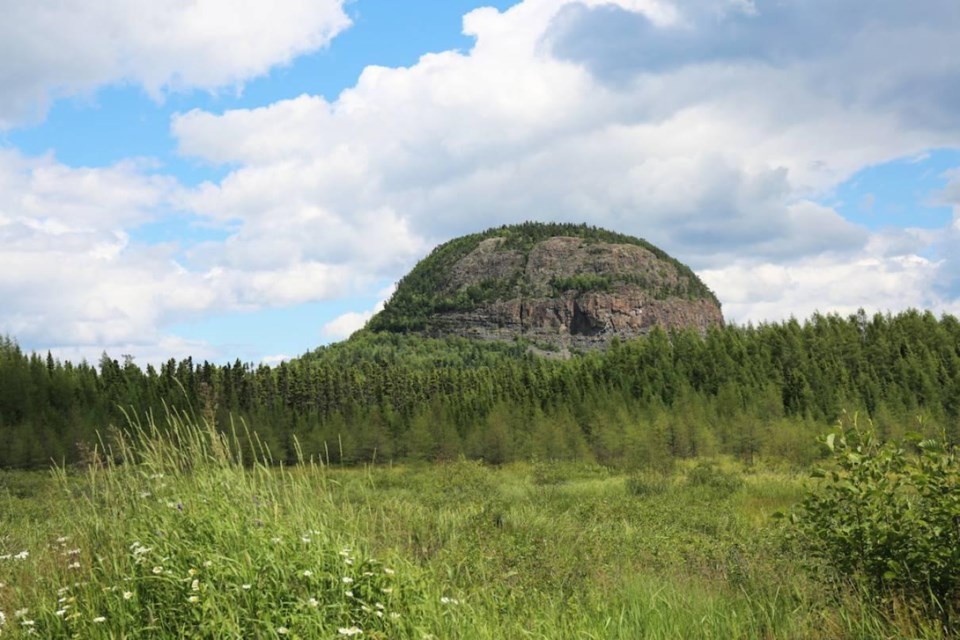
pixel 755 390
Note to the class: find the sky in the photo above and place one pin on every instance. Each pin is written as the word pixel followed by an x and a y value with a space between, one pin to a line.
pixel 243 179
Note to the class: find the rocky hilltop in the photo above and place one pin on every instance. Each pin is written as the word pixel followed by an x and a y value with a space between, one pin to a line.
pixel 566 286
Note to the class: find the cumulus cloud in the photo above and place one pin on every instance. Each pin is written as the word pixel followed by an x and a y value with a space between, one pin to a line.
pixel 344 325
pixel 715 130
pixel 48 50
pixel 71 275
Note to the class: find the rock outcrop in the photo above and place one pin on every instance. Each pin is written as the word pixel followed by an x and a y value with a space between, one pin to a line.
pixel 574 290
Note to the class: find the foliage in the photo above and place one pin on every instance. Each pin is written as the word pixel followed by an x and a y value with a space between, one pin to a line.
pixel 886 516
pixel 582 282
pixel 710 476
pixel 454 550
pixel 747 391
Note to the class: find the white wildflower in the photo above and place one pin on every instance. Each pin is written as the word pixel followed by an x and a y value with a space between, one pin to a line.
pixel 283 631
pixel 22 555
pixel 387 590
pixel 313 602
pixel 349 631
pixel 307 573
pixel 193 599
pixel 394 615
pixel 62 539
pixel 60 612
pixel 73 552
pixel 388 571
pixel 347 580
pixel 245 587
pixel 19 613
pixel 195 586
pixel 208 563
pixel 349 593
pixel 306 539
pixel 99 619
pixel 3 618
pixel 127 595
pixel 158 570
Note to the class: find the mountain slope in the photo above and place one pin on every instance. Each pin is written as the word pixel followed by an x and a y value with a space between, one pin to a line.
pixel 562 285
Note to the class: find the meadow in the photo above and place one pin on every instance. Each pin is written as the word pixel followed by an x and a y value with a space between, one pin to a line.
pixel 170 533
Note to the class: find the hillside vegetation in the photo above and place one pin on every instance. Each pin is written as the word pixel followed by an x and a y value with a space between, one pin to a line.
pixel 425 291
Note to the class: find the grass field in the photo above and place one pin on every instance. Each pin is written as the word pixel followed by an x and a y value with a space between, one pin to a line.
pixel 188 541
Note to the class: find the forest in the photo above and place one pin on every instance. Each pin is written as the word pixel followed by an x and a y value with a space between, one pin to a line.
pixel 747 391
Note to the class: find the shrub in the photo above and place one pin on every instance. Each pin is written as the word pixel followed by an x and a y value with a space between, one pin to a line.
pixel 708 475
pixel 886 517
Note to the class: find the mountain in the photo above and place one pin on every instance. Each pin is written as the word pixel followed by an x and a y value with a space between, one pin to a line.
pixel 559 286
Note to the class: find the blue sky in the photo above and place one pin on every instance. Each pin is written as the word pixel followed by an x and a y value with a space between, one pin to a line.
pixel 243 181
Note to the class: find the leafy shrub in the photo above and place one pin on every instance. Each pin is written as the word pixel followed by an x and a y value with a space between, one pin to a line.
pixel 886 517
pixel 708 475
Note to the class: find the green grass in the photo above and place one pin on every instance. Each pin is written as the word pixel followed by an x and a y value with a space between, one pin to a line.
pixel 168 536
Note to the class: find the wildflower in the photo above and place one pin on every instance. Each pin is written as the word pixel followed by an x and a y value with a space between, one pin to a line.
pixel 22 555
pixel 275 540
pixel 127 595
pixel 349 593
pixel 347 580
pixel 387 590
pixel 62 590
pixel 158 570
pixel 73 552
pixel 313 602
pixel 378 606
pixel 307 573
pixel 193 599
pixel 144 494
pixel 394 615
pixel 379 614
pixel 19 613
pixel 5 556
pixel 62 539
pixel 195 586
pixel 388 571
pixel 60 612
pixel 208 563
pixel 73 565
pixel 446 600
pixel 349 631
pixel 245 587
pixel 348 561
pixel 3 618
pixel 283 631
pixel 27 623
pixel 345 552
pixel 99 619
pixel 305 539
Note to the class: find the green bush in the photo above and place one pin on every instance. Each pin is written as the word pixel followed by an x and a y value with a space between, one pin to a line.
pixel 708 475
pixel 886 518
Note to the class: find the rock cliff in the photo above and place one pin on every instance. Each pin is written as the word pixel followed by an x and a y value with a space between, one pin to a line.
pixel 566 286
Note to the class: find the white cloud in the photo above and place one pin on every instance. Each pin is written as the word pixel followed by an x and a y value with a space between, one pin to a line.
pixel 720 153
pixel 73 47
pixel 343 326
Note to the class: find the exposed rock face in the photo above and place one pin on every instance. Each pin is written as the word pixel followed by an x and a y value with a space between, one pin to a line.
pixel 570 292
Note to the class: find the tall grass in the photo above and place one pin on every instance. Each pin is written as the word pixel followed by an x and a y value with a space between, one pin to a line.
pixel 178 529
